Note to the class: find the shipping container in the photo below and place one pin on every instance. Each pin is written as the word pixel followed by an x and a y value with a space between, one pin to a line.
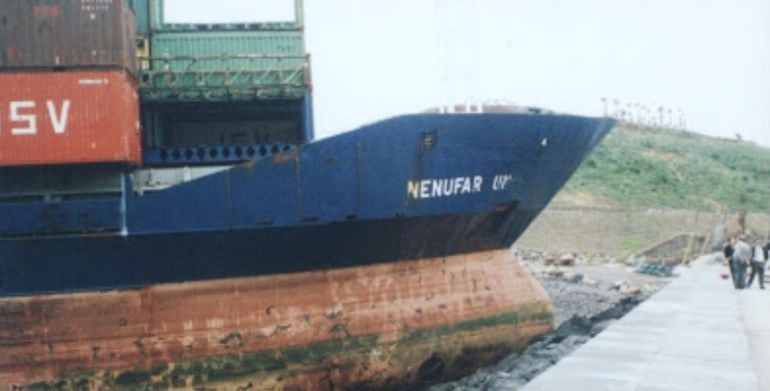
pixel 67 33
pixel 69 117
pixel 227 50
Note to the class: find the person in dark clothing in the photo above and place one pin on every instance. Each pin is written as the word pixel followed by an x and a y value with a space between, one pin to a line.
pixel 728 252
pixel 758 262
pixel 767 250
pixel 741 259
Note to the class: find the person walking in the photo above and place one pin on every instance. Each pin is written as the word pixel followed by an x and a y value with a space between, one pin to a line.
pixel 766 249
pixel 758 261
pixel 741 259
pixel 728 252
pixel 767 257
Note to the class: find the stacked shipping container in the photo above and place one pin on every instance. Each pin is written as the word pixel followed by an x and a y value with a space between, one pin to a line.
pixel 68 117
pixel 68 92
pixel 209 51
pixel 67 34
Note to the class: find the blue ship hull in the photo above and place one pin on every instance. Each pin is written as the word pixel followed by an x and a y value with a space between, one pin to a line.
pixel 404 188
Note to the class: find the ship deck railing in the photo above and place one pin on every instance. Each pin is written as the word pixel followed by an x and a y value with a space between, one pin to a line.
pixel 228 77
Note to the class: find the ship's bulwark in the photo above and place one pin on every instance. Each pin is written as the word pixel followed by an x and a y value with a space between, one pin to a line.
pixel 386 325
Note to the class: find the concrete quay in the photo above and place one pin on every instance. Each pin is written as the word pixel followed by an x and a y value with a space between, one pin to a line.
pixel 698 333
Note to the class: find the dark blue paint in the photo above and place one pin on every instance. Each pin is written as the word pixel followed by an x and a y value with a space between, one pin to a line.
pixel 307 117
pixel 337 202
pixel 61 217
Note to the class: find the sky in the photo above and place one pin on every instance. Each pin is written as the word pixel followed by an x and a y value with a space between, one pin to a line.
pixel 373 59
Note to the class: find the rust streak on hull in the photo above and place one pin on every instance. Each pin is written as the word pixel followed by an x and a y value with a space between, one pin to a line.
pixel 380 326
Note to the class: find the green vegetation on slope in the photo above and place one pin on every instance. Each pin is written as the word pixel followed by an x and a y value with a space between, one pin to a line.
pixel 664 168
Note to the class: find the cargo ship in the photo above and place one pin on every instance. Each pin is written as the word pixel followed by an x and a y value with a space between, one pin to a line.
pixel 167 220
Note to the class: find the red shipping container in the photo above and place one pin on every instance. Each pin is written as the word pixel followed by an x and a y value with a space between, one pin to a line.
pixel 69 117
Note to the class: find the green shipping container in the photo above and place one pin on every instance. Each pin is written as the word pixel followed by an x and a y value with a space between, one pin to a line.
pixel 144 15
pixel 227 50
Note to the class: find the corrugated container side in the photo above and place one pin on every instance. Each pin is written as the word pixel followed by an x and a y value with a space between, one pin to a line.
pixel 67 33
pixel 130 60
pixel 69 117
pixel 142 12
pixel 156 12
pixel 209 50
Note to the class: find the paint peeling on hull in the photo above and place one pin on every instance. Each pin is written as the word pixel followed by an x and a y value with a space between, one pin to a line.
pixel 380 326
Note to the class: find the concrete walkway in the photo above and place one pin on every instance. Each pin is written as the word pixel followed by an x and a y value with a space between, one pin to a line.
pixel 698 333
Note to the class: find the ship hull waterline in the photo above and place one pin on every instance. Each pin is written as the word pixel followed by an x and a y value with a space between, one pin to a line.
pixel 378 326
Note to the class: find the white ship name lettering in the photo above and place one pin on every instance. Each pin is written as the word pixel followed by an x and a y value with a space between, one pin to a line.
pixel 436 188
pixel 501 182
pixel 448 187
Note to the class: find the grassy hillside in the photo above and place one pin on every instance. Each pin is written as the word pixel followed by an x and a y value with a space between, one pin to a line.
pixel 664 168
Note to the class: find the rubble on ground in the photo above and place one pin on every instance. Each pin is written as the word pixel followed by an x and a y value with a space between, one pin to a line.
pixel 656 269
pixel 588 297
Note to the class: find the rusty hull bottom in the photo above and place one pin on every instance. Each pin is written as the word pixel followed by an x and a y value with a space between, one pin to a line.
pixel 380 326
